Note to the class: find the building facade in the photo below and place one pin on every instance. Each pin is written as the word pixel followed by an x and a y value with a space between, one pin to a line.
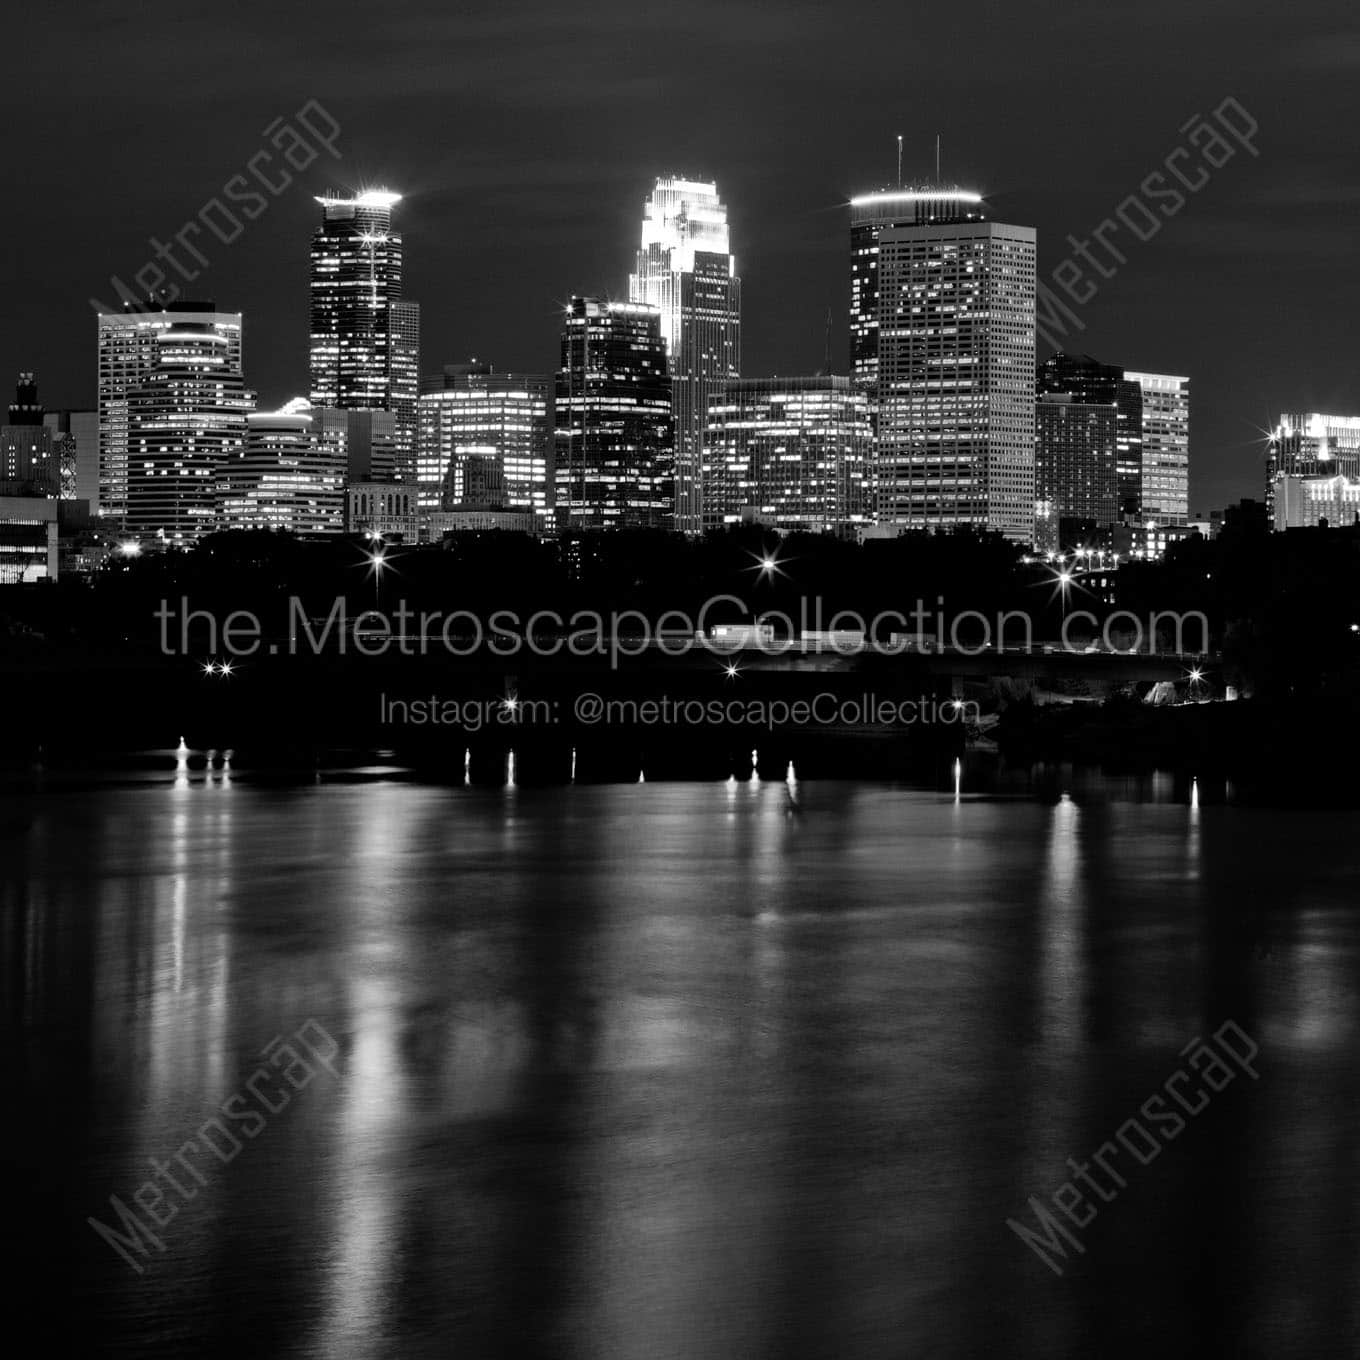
pixel 793 453
pixel 684 268
pixel 128 356
pixel 28 460
pixel 287 475
pixel 186 419
pixel 613 447
pixel 870 214
pixel 28 539
pixel 1164 495
pixel 472 410
pixel 382 509
pixel 75 448
pixel 1089 381
pixel 365 336
pixel 1311 445
pixel 1315 502
pixel 955 376
pixel 1076 480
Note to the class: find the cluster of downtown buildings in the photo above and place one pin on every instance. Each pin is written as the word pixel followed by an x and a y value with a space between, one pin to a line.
pixel 943 419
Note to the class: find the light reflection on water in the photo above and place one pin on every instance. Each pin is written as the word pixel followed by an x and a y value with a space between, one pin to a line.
pixel 680 1069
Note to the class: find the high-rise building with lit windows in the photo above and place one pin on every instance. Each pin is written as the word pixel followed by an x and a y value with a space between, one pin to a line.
pixel 186 418
pixel 789 452
pixel 1311 446
pixel 365 345
pixel 1164 494
pixel 1088 381
pixel 28 457
pixel 128 354
pixel 869 215
pixel 470 410
pixel 1076 481
pixel 953 376
pixel 685 268
pixel 288 474
pixel 614 463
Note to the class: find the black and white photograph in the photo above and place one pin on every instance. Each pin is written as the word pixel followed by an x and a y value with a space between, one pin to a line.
pixel 682 680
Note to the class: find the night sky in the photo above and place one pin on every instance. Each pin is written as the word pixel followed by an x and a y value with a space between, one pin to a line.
pixel 526 136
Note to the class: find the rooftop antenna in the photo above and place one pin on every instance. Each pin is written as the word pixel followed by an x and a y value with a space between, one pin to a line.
pixel 937 158
pixel 899 160
pixel 827 369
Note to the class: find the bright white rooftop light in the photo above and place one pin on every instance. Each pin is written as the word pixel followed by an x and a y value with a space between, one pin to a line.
pixel 370 198
pixel 915 196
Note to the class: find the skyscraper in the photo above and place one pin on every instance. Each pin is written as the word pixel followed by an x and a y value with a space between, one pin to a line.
pixel 28 465
pixel 1076 482
pixel 287 475
pixel 75 448
pixel 1088 381
pixel 869 215
pixel 471 410
pixel 1308 446
pixel 128 355
pixel 685 269
pixel 365 347
pixel 185 418
pixel 1164 496
pixel 793 452
pixel 614 455
pixel 955 368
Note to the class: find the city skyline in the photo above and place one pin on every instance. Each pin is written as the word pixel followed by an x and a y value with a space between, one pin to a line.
pixel 786 171
pixel 268 382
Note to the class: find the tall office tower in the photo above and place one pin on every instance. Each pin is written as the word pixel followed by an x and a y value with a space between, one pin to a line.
pixel 1076 477
pixel 869 215
pixel 685 268
pixel 185 419
pixel 75 448
pixel 371 446
pixel 954 380
pixel 1311 445
pixel 287 475
pixel 1165 491
pixel 471 409
pixel 791 452
pixel 1087 380
pixel 28 466
pixel 614 462
pixel 365 349
pixel 128 355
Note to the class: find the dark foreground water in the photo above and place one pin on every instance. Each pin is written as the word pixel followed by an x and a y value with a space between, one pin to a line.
pixel 673 1070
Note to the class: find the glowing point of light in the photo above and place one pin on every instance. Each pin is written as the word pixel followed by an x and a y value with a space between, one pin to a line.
pixel 731 670
pixel 130 549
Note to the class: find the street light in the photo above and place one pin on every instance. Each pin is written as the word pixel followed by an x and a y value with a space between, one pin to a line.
pixel 377 560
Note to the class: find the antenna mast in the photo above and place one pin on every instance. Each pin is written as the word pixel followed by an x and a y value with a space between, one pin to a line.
pixel 899 160
pixel 937 158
